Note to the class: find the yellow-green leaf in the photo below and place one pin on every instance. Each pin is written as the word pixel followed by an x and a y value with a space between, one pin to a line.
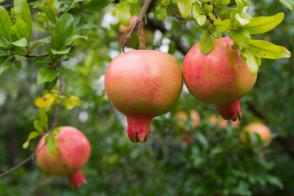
pixel 264 49
pixel 185 7
pixel 264 24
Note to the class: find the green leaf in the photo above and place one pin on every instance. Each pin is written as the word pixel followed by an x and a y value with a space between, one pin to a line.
pixel 74 38
pixel 42 115
pixel 274 181
pixel 21 29
pixel 251 62
pixel 63 30
pixel 60 52
pixel 5 64
pixel 185 7
pixel 288 3
pixel 206 43
pixel 71 102
pixel 5 24
pixel 46 74
pixel 160 13
pixel 70 75
pixel 264 24
pixel 22 43
pixel 264 49
pixel 223 25
pixel 123 13
pixel 200 18
pixel 22 10
pixel 242 38
pixel 38 125
pixel 51 143
pixel 31 136
pixel 165 2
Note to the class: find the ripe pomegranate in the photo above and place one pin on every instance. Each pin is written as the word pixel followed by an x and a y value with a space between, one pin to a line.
pixel 183 118
pixel 220 77
pixel 143 84
pixel 73 152
pixel 257 128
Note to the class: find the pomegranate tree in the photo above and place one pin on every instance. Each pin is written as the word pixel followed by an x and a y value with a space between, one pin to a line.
pixel 143 84
pixel 220 77
pixel 72 153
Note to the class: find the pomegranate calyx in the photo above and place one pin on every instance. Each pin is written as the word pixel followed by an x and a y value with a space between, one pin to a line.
pixel 231 111
pixel 77 179
pixel 139 128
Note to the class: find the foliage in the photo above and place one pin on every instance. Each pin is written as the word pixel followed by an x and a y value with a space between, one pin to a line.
pixel 47 43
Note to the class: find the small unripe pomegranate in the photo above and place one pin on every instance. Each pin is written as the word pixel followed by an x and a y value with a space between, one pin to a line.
pixel 257 128
pixel 219 122
pixel 143 84
pixel 220 77
pixel 125 29
pixel 183 118
pixel 73 152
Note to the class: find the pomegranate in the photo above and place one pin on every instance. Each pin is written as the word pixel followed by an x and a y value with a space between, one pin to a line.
pixel 220 77
pixel 183 118
pixel 73 152
pixel 219 122
pixel 143 84
pixel 125 29
pixel 257 128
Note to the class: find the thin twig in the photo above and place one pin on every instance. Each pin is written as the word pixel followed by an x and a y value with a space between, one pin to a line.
pixel 139 20
pixel 54 124
pixel 29 158
pixel 57 108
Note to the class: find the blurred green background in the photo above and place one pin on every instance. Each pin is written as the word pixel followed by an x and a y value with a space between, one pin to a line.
pixel 178 159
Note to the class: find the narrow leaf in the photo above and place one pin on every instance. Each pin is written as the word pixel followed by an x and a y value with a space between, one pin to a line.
pixel 206 43
pixel 22 43
pixel 5 25
pixel 22 10
pixel 185 7
pixel 264 24
pixel 264 49
pixel 63 30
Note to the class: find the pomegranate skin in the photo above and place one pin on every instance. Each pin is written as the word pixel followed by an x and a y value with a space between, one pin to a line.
pixel 143 84
pixel 73 152
pixel 220 77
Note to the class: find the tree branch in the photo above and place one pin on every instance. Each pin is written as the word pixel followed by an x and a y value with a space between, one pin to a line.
pixel 139 20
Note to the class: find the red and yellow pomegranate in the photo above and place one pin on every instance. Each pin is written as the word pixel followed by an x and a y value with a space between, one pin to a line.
pixel 257 128
pixel 143 84
pixel 220 77
pixel 73 152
